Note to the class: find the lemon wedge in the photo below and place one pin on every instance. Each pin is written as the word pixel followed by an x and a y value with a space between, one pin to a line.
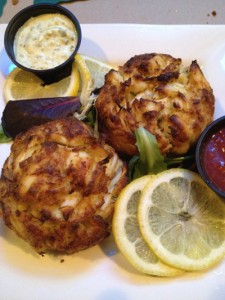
pixel 98 69
pixel 87 82
pixel 92 76
pixel 20 84
pixel 182 220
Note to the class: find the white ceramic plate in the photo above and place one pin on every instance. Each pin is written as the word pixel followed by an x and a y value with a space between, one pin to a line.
pixel 101 273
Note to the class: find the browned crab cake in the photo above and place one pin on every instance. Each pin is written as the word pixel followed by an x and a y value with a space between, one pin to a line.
pixel 59 185
pixel 155 91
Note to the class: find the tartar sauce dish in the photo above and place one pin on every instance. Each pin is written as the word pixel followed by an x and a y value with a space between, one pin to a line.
pixel 210 156
pixel 43 39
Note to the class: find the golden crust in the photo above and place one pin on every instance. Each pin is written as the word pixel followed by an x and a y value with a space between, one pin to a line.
pixel 59 185
pixel 155 91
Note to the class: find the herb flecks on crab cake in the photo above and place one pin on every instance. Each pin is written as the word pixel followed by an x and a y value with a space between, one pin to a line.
pixel 59 185
pixel 155 91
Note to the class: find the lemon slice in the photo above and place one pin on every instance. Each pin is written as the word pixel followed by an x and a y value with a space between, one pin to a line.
pixel 182 220
pixel 127 234
pixel 20 84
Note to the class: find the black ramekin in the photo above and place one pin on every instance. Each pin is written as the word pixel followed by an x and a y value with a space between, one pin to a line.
pixel 214 127
pixel 48 75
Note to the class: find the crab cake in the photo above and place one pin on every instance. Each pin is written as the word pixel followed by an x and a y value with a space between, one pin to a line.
pixel 59 185
pixel 155 91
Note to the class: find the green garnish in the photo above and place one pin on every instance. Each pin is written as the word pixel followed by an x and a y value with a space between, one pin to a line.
pixel 3 138
pixel 150 160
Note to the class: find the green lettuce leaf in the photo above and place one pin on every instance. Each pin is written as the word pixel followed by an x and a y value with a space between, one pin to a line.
pixel 150 160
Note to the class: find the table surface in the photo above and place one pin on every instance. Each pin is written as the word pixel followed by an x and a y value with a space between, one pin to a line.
pixel 136 11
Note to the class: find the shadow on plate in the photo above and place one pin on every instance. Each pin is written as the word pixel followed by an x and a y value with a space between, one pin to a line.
pixel 92 49
pixel 16 253
pixel 6 65
pixel 128 273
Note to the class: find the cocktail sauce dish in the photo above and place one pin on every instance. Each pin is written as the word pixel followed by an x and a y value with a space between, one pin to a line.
pixel 210 156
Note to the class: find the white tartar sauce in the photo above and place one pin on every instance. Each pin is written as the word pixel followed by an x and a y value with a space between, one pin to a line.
pixel 45 41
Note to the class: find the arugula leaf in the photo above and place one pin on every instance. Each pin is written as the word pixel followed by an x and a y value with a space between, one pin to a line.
pixel 3 137
pixel 150 160
pixel 179 161
pixel 91 117
pixel 185 162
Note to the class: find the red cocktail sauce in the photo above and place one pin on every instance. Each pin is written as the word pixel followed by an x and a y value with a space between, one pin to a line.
pixel 213 158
